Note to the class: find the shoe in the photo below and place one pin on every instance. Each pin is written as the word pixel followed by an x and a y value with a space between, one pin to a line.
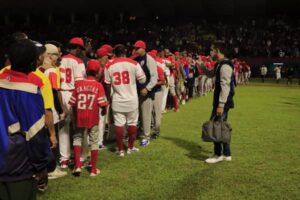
pixel 164 111
pixel 121 153
pixel 77 171
pixel 133 150
pixel 183 102
pixel 95 173
pixel 214 159
pixel 64 164
pixel 57 173
pixel 227 158
pixel 102 147
pixel 145 142
pixel 176 110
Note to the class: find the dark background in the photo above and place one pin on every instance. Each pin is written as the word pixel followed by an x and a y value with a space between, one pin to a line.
pixel 145 8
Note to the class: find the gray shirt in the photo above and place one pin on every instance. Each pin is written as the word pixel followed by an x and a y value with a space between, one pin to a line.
pixel 152 67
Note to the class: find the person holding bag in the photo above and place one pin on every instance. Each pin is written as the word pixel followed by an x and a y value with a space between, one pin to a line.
pixel 223 97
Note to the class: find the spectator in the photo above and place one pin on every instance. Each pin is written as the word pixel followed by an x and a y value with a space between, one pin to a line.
pixel 22 156
pixel 148 65
pixel 223 97
pixel 277 71
pixel 263 72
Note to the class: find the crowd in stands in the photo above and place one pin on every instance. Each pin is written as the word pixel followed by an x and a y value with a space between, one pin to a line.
pixel 267 37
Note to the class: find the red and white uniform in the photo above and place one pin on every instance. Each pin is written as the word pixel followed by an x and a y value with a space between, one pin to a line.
pixel 87 97
pixel 71 70
pixel 122 74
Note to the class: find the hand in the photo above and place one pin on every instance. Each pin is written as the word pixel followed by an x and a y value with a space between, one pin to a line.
pixel 62 116
pixel 220 111
pixel 53 141
pixel 144 92
pixel 42 180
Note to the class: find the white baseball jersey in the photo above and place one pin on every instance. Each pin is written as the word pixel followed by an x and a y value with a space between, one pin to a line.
pixel 71 69
pixel 122 74
pixel 165 68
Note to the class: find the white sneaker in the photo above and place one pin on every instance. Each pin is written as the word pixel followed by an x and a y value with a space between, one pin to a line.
pixel 183 102
pixel 227 158
pixel 121 153
pixel 57 173
pixel 214 159
pixel 133 150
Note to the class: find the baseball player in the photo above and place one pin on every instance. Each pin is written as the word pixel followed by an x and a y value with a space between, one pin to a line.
pixel 103 55
pixel 121 74
pixel 86 99
pixel 72 69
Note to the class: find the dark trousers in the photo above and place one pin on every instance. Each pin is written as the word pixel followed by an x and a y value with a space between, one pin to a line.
pixel 221 148
pixel 20 190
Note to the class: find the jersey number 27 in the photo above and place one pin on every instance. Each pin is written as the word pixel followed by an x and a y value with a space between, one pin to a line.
pixel 85 101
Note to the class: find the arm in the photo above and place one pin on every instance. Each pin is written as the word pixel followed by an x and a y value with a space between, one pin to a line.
pixel 139 74
pixel 209 73
pixel 161 82
pixel 50 126
pixel 226 73
pixel 153 73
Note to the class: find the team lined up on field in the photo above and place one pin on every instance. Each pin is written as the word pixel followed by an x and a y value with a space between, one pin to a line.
pixel 132 88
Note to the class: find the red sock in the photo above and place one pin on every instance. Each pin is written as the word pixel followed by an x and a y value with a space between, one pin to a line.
pixel 175 100
pixel 94 157
pixel 77 152
pixel 119 135
pixel 132 136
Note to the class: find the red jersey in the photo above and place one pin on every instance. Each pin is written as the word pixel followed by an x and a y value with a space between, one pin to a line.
pixel 87 97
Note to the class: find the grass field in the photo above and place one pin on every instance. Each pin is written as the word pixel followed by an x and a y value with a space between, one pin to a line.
pixel 265 152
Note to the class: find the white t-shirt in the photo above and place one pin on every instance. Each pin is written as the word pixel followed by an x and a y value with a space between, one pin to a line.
pixel 71 69
pixel 122 74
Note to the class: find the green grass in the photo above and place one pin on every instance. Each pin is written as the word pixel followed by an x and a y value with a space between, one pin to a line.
pixel 265 150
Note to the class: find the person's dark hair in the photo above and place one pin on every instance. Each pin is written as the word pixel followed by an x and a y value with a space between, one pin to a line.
pixel 91 73
pixel 119 50
pixel 221 46
pixel 18 36
pixel 87 41
pixel 74 46
pixel 23 55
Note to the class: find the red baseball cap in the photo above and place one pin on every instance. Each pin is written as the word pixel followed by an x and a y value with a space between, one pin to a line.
pixel 203 58
pixel 102 52
pixel 77 41
pixel 140 44
pixel 177 53
pixel 154 51
pixel 152 54
pixel 108 47
pixel 93 65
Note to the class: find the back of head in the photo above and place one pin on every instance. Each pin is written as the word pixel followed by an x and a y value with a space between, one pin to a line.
pixel 19 36
pixel 23 55
pixel 119 50
pixel 221 46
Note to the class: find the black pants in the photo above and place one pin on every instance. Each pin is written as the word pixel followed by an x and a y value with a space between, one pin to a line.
pixel 221 148
pixel 20 190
